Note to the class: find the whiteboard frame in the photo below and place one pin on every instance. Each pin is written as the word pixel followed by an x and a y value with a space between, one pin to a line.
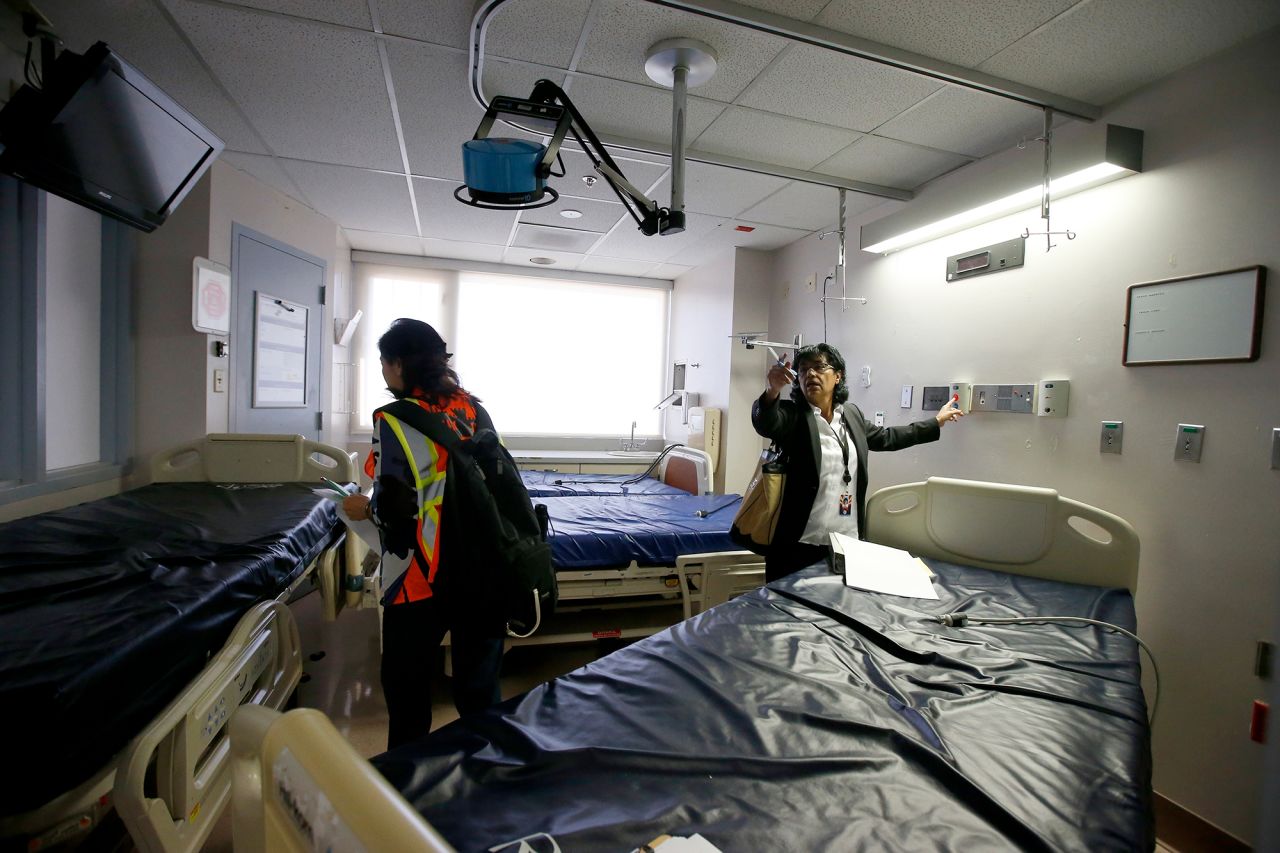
pixel 1255 324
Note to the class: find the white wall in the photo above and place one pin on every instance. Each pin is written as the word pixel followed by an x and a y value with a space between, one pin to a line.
pixel 1210 539
pixel 73 335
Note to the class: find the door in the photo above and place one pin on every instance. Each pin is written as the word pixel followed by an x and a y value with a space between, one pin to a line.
pixel 279 297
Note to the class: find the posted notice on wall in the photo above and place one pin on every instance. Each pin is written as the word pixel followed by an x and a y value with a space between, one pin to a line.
pixel 210 297
pixel 279 353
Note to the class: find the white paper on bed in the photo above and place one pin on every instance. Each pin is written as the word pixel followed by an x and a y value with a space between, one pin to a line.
pixel 365 529
pixel 879 568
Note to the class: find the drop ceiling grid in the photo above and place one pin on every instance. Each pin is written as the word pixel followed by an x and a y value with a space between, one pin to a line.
pixel 807 206
pixel 962 33
pixel 152 44
pixel 884 161
pixel 1098 52
pixel 965 121
pixel 624 30
pixel 541 31
pixel 448 23
pixel 769 138
pixel 640 112
pixel 828 88
pixel 360 199
pixel 597 216
pixel 431 114
pixel 720 191
pixel 345 14
pixel 268 66
pixel 444 218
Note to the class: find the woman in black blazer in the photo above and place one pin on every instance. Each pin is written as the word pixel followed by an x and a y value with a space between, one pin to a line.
pixel 824 440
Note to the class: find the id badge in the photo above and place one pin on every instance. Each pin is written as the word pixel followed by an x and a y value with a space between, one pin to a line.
pixel 846 504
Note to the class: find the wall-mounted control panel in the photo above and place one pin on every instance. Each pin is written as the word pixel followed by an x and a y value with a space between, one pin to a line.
pixel 1188 443
pixel 964 391
pixel 993 258
pixel 1112 439
pixel 934 397
pixel 1051 398
pixel 1016 399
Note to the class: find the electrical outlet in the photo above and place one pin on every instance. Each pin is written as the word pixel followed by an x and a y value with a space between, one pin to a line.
pixel 864 376
pixel 879 418
pixel 1188 443
pixel 906 398
pixel 1112 439
pixel 811 284
pixel 219 381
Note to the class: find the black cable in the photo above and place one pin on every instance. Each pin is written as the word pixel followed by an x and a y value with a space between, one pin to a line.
pixel 636 479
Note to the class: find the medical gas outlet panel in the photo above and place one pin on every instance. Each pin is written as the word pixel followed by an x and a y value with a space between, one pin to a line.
pixel 1047 399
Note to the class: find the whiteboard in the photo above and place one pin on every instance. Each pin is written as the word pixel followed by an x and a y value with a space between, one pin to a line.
pixel 1216 317
pixel 279 353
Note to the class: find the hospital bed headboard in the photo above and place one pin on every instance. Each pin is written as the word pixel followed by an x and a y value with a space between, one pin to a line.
pixel 252 458
pixel 687 468
pixel 1022 530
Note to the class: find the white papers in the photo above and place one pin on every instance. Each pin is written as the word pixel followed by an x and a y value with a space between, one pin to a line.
pixel 678 844
pixel 879 568
pixel 365 529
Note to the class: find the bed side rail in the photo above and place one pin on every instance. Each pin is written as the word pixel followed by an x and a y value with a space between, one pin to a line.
pixel 713 578
pixel 1024 530
pixel 299 786
pixel 261 663
pixel 253 458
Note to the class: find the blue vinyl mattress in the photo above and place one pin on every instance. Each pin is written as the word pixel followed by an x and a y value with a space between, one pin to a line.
pixel 808 716
pixel 108 609
pixel 602 531
pixel 552 484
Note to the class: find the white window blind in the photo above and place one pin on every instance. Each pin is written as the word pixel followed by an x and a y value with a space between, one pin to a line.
pixel 546 356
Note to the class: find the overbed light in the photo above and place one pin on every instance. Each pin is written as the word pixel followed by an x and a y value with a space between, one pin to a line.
pixel 1021 200
pixel 1083 155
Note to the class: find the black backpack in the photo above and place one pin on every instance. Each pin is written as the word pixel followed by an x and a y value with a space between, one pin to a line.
pixel 503 530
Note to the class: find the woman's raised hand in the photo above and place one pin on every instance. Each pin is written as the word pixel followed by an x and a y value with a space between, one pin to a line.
pixel 779 377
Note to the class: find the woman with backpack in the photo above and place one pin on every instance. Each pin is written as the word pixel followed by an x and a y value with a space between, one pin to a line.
pixel 430 585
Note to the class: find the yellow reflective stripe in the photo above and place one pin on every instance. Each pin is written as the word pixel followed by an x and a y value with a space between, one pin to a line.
pixel 404 444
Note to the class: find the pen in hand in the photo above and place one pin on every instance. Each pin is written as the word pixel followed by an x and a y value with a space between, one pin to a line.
pixel 337 488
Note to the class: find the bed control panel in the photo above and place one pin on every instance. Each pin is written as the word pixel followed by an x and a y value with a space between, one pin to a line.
pixel 214 715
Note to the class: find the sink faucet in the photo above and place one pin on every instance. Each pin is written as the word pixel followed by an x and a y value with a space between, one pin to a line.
pixel 631 443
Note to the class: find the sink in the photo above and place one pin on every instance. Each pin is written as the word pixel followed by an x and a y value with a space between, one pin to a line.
pixel 639 454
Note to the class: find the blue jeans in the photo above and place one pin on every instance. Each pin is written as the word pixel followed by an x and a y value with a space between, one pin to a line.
pixel 411 633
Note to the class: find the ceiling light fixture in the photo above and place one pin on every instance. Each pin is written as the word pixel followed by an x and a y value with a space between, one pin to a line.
pixel 543 262
pixel 1084 157
pixel 571 214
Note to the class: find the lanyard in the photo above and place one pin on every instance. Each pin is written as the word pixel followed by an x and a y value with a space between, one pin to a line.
pixel 842 438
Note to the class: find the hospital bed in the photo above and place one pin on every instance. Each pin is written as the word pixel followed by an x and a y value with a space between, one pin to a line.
pixel 682 470
pixel 804 715
pixel 131 627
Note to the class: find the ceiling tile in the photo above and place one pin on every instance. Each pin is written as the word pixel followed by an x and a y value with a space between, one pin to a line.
pixel 822 86
pixel 272 67
pixel 709 246
pixel 1097 52
pixel 444 217
pixel 577 166
pixel 436 119
pixel 356 198
pixel 628 242
pixel 269 170
pixel 624 30
pixel 614 266
pixel 396 244
pixel 766 238
pixel 543 31
pixel 444 23
pixel 556 238
pixel 147 41
pixel 598 216
pixel 766 138
pixel 800 205
pixel 891 163
pixel 520 258
pixel 463 251
pixel 638 112
pixel 966 121
pixel 350 14
pixel 963 33
pixel 668 271
pixel 720 191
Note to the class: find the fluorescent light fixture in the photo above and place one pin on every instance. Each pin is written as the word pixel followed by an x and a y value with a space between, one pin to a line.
pixel 1089 156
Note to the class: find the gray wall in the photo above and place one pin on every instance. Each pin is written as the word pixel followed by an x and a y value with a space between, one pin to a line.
pixel 1210 539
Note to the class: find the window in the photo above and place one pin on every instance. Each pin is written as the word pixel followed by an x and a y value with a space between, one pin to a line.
pixel 547 356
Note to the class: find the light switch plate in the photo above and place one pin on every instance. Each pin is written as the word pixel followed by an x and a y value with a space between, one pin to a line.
pixel 1188 443
pixel 219 381
pixel 906 399
pixel 1112 439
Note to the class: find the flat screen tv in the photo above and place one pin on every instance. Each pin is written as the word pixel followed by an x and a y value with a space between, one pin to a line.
pixel 101 134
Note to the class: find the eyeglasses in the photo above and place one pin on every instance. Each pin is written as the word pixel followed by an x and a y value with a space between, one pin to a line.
pixel 816 368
